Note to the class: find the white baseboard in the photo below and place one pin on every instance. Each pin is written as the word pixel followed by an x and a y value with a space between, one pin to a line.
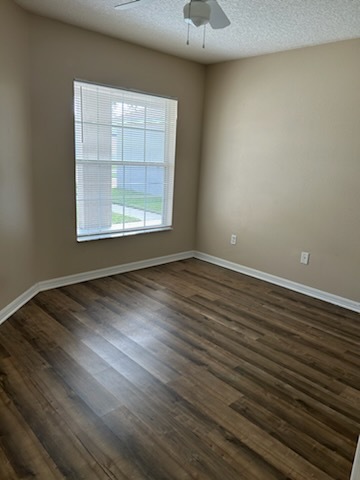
pixel 355 472
pixel 282 282
pixel 10 309
pixel 107 272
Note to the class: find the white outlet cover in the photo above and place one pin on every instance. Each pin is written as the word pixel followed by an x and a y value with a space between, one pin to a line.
pixel 304 258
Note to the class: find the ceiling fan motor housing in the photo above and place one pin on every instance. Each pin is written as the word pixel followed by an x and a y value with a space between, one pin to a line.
pixel 197 12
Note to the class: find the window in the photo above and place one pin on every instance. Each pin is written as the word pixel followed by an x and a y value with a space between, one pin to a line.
pixel 125 159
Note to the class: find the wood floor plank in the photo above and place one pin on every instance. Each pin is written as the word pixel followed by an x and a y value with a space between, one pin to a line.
pixel 6 469
pixel 156 408
pixel 278 455
pixel 70 457
pixel 328 460
pixel 288 360
pixel 286 406
pixel 144 452
pixel 24 452
pixel 181 371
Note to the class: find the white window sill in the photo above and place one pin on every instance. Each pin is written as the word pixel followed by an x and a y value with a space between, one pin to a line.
pixel 102 236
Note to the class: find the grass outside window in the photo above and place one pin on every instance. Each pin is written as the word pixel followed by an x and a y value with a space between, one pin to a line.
pixel 133 199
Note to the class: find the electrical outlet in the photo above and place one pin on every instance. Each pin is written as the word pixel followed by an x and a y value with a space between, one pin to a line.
pixel 233 239
pixel 304 258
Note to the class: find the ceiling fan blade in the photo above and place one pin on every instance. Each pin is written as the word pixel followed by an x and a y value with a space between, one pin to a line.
pixel 125 4
pixel 218 19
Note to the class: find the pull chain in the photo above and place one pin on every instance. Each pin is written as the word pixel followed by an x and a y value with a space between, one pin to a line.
pixel 204 36
pixel 188 32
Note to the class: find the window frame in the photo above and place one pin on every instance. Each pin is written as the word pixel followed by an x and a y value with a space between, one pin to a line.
pixel 167 165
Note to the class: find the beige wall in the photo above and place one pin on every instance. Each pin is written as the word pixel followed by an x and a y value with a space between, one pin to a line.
pixel 16 211
pixel 281 165
pixel 60 53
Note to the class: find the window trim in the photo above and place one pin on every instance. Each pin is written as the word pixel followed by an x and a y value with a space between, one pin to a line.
pixel 168 211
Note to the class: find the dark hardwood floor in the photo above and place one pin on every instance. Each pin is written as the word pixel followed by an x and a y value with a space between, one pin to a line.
pixel 183 371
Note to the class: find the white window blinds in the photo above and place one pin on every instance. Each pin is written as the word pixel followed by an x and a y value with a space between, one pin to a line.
pixel 125 159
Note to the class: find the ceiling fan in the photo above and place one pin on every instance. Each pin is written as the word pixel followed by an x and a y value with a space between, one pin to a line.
pixel 203 12
pixel 196 12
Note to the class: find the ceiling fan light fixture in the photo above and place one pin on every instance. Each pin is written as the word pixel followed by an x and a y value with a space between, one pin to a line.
pixel 197 13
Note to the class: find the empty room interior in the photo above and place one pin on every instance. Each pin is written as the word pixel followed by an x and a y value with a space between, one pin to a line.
pixel 179 240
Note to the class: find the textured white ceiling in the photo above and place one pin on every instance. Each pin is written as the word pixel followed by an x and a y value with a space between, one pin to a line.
pixel 257 26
